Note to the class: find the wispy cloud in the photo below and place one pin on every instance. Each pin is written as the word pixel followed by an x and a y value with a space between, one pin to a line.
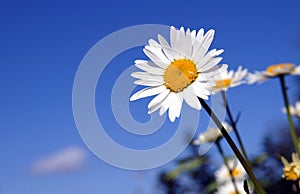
pixel 67 160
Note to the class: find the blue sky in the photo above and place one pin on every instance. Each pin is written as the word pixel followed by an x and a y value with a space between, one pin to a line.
pixel 43 43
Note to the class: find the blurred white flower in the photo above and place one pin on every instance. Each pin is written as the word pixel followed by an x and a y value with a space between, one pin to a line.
pixel 229 79
pixel 273 71
pixel 237 170
pixel 229 188
pixel 180 71
pixel 291 171
pixel 294 110
pixel 211 135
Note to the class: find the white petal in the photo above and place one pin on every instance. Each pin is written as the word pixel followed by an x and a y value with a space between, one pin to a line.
pixel 198 44
pixel 156 102
pixel 203 61
pixel 180 97
pixel 175 108
pixel 148 83
pixel 147 92
pixel 166 48
pixel 153 43
pixel 174 36
pixel 193 39
pixel 297 70
pixel 256 77
pixel 208 38
pixel 146 76
pixel 166 103
pixel 149 67
pixel 157 51
pixel 198 91
pixel 203 47
pixel 154 108
pixel 182 45
pixel 155 59
pixel 214 71
pixel 188 44
pixel 191 99
pixel 210 64
pixel 159 98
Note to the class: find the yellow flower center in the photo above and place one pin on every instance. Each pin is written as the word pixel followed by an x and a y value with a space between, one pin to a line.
pixel 284 68
pixel 233 192
pixel 235 172
pixel 180 74
pixel 222 83
pixel 291 173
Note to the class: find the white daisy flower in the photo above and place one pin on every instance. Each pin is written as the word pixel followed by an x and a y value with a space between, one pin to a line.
pixel 238 172
pixel 273 71
pixel 294 110
pixel 211 135
pixel 229 188
pixel 180 71
pixel 291 170
pixel 229 79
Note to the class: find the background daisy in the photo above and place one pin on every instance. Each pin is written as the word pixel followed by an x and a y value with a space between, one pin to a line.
pixel 229 79
pixel 273 71
pixel 238 173
pixel 294 110
pixel 211 135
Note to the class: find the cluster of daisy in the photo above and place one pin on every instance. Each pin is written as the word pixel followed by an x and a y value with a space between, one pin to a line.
pixel 226 173
pixel 185 70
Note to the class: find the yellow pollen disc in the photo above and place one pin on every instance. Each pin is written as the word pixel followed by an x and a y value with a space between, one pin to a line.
pixel 222 83
pixel 290 174
pixel 235 172
pixel 180 74
pixel 281 68
pixel 233 192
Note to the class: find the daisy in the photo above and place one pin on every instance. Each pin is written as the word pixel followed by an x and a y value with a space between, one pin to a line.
pixel 294 110
pixel 180 71
pixel 291 171
pixel 229 188
pixel 237 171
pixel 229 79
pixel 273 71
pixel 211 135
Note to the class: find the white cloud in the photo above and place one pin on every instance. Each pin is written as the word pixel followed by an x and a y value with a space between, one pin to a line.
pixel 67 160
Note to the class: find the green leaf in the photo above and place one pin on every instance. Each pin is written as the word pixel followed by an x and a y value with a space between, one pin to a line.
pixel 211 187
pixel 187 165
pixel 260 159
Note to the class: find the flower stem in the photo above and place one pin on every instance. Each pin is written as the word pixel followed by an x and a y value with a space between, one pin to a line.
pixel 258 188
pixel 291 124
pixel 233 124
pixel 220 149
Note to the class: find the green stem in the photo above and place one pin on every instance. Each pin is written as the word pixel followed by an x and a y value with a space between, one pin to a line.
pixel 297 186
pixel 233 124
pixel 291 124
pixel 226 164
pixel 258 188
